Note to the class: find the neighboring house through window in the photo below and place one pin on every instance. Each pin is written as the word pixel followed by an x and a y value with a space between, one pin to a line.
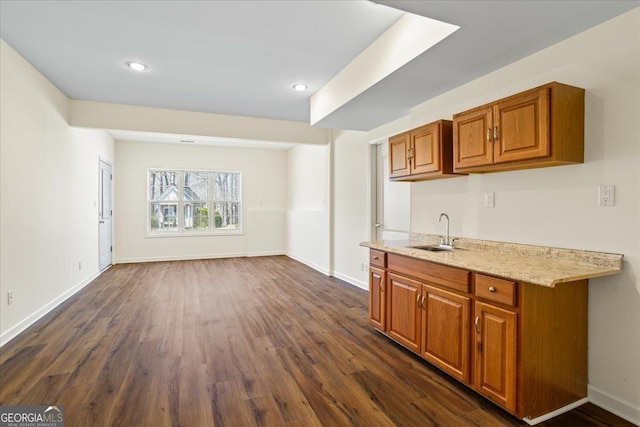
pixel 180 202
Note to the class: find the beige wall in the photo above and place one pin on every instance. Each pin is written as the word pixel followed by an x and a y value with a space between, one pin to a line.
pixel 309 206
pixel 351 201
pixel 49 190
pixel 264 183
pixel 558 206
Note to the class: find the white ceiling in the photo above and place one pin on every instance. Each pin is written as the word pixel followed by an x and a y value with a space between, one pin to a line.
pixel 241 57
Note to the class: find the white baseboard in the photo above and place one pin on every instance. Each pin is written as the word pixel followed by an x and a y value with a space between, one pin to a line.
pixel 350 280
pixel 308 263
pixel 268 253
pixel 39 314
pixel 555 413
pixel 190 257
pixel 615 405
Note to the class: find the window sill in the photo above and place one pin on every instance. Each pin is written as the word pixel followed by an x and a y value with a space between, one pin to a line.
pixel 154 235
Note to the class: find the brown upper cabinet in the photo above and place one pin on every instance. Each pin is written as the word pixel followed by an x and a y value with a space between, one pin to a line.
pixel 541 127
pixel 422 153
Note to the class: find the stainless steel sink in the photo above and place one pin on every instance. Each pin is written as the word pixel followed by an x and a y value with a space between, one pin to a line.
pixel 433 248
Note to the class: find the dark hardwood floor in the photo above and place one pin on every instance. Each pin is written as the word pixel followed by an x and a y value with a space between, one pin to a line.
pixel 234 342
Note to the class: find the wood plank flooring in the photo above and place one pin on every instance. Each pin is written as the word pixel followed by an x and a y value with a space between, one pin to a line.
pixel 234 342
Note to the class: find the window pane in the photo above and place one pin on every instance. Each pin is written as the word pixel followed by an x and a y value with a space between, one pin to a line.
pixel 182 201
pixel 227 186
pixel 196 216
pixel 196 186
pixel 106 194
pixel 163 185
pixel 226 215
pixel 164 216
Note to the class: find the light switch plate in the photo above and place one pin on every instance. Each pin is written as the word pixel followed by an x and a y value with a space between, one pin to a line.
pixel 489 199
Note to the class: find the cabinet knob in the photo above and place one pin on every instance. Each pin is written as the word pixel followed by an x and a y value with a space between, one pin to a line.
pixel 375 257
pixel 492 289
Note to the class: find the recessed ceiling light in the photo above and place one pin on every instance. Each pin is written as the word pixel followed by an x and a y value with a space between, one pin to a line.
pixel 300 87
pixel 136 66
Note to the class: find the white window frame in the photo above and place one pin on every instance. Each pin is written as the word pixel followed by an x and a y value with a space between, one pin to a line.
pixel 180 231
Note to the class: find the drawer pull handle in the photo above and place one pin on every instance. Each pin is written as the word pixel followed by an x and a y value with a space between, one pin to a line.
pixel 492 289
pixel 489 134
pixel 375 257
pixel 476 324
pixel 382 286
pixel 418 301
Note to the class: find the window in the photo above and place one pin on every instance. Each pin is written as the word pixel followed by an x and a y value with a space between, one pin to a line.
pixel 181 202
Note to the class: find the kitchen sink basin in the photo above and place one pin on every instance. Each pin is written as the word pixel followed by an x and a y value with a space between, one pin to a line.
pixel 432 248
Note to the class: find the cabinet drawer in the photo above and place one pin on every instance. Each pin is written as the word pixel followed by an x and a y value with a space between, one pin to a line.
pixel 431 273
pixel 378 258
pixel 496 290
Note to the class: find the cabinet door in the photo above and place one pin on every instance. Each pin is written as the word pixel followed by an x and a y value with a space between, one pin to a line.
pixel 472 138
pixel 425 149
pixel 495 354
pixel 404 313
pixel 398 155
pixel 377 300
pixel 522 127
pixel 445 331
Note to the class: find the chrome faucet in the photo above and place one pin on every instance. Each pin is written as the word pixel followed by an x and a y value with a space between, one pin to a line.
pixel 446 243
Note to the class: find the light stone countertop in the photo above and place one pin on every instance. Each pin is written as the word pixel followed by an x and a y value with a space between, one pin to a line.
pixel 538 265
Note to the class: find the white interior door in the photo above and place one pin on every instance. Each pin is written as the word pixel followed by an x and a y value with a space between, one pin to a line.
pixel 393 200
pixel 105 213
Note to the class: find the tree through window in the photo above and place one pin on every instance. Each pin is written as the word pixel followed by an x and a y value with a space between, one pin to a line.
pixel 226 201
pixel 194 201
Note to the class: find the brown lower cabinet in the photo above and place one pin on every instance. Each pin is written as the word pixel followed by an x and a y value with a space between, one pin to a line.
pixel 404 311
pixel 495 354
pixel 522 346
pixel 377 300
pixel 445 331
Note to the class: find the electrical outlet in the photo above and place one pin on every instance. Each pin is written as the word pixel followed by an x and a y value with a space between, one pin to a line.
pixel 489 200
pixel 606 195
pixel 9 297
